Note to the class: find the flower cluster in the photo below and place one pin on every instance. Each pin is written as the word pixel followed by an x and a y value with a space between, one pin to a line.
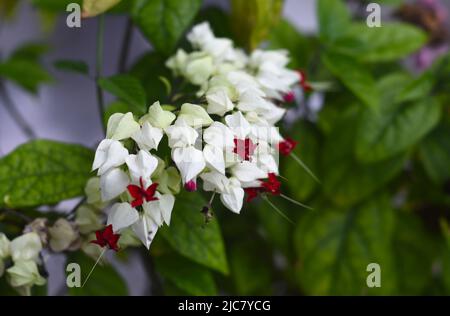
pixel 228 139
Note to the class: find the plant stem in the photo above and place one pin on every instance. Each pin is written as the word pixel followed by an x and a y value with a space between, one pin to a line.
pixel 99 66
pixel 126 46
pixel 15 114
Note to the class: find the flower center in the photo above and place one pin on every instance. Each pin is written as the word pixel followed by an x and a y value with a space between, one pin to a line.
pixel 244 148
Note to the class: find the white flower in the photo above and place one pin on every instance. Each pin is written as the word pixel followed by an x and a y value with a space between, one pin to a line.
pixel 4 246
pixel 113 183
pixel 93 192
pixel 219 135
pixel 219 103
pixel 199 68
pixel 158 117
pixel 247 171
pixel 141 166
pixel 24 274
pixel 214 158
pixel 231 193
pixel 110 154
pixel 189 161
pixel 62 235
pixel 121 126
pixel 194 115
pixel 144 225
pixel 178 62
pixel 250 100
pixel 26 247
pixel 238 125
pixel 122 215
pixel 274 114
pixel 87 220
pixel 181 134
pixel 200 35
pixel 148 137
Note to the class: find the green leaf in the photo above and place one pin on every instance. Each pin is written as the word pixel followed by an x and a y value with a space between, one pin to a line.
pixel 393 128
pixel 418 88
pixel 127 89
pixel 153 86
pixel 27 74
pixel 188 276
pixel 414 252
pixel 43 172
pixel 334 19
pixel 381 44
pixel 285 36
pixel 302 185
pixel 354 76
pixel 104 280
pixel 163 22
pixel 218 19
pixel 252 20
pixel 250 269
pixel 189 236
pixel 76 66
pixel 335 247
pixel 435 154
pixel 30 51
pixel 345 180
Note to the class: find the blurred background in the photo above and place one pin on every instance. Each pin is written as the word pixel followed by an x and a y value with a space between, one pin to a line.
pixel 66 110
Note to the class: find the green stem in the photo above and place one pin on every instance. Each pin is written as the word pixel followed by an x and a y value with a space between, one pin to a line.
pixel 99 67
pixel 296 202
pixel 265 198
pixel 305 167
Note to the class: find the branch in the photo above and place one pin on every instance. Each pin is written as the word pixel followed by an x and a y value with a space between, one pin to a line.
pixel 15 114
pixel 99 66
pixel 125 51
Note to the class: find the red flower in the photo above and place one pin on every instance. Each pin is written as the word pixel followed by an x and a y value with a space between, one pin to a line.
pixel 252 193
pixel 289 97
pixel 244 148
pixel 272 185
pixel 106 237
pixel 287 146
pixel 139 193
pixel 304 82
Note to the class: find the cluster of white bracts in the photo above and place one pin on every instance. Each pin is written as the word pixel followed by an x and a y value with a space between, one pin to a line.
pixel 230 142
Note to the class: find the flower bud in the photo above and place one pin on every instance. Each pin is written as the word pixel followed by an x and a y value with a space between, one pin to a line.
pixel 199 68
pixel 4 246
pixel 24 274
pixel 26 247
pixel 92 8
pixel 87 220
pixel 62 235
pixel 122 126
pixel 194 115
pixel 191 186
pixel 158 117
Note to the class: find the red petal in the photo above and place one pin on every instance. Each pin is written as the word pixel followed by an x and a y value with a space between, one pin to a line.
pixel 135 191
pixel 150 192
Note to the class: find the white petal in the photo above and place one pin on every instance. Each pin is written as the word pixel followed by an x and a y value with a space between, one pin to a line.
pixel 148 137
pixel 181 134
pixel 26 247
pixel 158 117
pixel 142 166
pixel 214 181
pixel 113 183
pixel 267 163
pixel 190 162
pixel 122 215
pixel 247 172
pixel 274 114
pixel 121 126
pixel 214 158
pixel 219 103
pixel 194 115
pixel 238 124
pixel 233 199
pixel 161 210
pixel 145 229
pixel 109 154
pixel 219 135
